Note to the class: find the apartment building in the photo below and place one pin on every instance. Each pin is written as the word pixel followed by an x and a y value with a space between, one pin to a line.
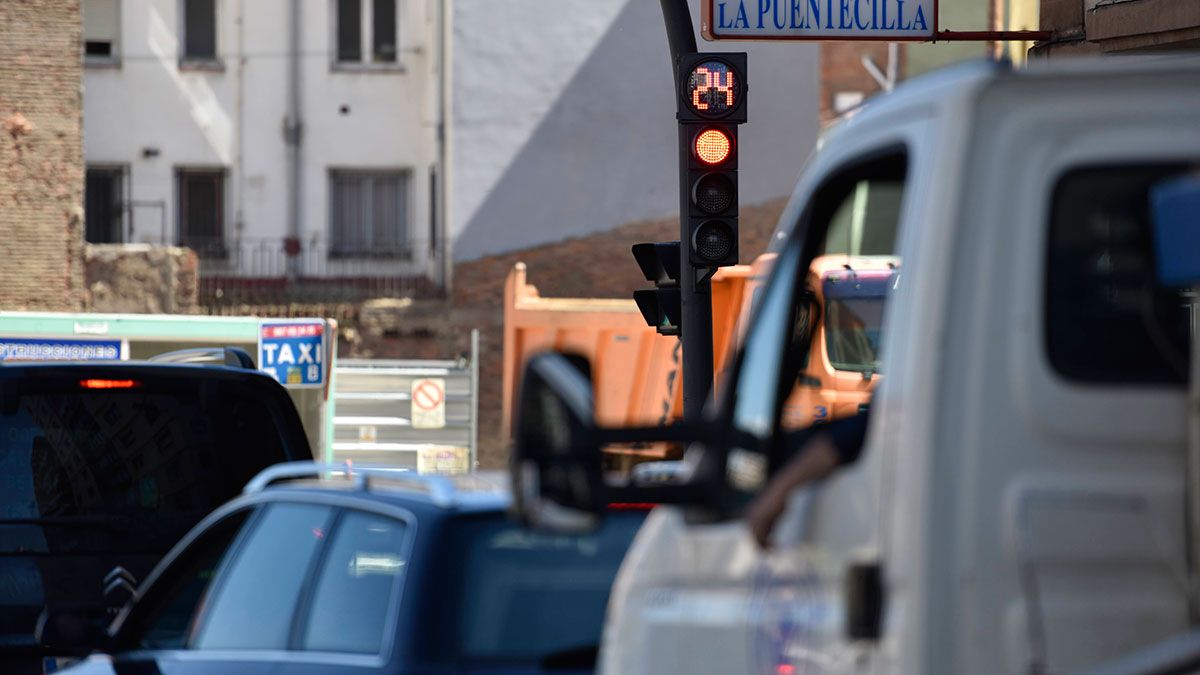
pixel 278 138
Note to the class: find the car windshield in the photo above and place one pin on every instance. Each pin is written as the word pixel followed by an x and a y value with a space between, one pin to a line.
pixel 139 465
pixel 527 596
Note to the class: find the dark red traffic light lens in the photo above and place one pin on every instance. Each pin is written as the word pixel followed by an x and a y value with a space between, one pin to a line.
pixel 713 240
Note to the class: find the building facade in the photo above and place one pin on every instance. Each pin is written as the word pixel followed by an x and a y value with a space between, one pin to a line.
pixel 564 124
pixel 1090 27
pixel 279 139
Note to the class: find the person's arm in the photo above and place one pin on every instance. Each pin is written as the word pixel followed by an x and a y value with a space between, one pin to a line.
pixel 839 443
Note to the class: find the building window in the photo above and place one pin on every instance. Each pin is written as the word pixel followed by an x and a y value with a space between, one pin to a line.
pixel 104 200
pixel 367 31
pixel 368 213
pixel 202 211
pixel 101 28
pixel 200 30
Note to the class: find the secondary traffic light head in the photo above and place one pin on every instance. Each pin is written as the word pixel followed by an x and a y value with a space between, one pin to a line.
pixel 659 262
pixel 660 306
pixel 712 104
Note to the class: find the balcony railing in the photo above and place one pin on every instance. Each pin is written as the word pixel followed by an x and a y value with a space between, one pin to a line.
pixel 264 272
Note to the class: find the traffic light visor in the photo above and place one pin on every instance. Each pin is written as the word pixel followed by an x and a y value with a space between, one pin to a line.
pixel 713 146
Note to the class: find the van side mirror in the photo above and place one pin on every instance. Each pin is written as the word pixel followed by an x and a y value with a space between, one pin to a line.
pixel 558 476
pixel 556 461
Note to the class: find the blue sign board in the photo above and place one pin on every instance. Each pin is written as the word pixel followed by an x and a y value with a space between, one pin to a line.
pixel 65 349
pixel 882 20
pixel 293 352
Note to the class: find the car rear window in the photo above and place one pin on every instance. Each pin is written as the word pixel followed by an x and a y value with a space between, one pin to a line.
pixel 145 461
pixel 525 596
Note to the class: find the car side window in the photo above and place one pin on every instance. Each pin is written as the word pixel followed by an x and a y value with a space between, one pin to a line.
pixel 359 577
pixel 255 596
pixel 166 616
pixel 811 353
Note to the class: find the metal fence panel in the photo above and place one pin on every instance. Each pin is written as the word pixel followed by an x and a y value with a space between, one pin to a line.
pixel 373 422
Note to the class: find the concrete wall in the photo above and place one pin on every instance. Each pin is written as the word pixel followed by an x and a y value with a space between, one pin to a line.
pixel 41 180
pixel 233 117
pixel 564 120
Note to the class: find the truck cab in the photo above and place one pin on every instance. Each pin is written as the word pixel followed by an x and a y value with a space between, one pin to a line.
pixel 1019 505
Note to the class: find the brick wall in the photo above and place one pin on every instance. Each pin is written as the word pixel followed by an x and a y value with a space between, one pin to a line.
pixel 598 266
pixel 41 162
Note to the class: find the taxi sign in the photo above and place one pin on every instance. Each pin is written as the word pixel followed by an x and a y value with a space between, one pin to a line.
pixel 882 20
pixel 293 352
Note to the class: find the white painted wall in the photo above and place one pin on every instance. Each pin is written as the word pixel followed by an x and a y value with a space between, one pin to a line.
pixel 233 118
pixel 564 120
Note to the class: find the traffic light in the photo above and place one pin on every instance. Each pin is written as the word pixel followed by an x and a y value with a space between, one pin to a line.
pixel 662 306
pixel 712 105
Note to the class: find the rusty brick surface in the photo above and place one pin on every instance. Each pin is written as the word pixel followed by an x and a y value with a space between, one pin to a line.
pixel 41 161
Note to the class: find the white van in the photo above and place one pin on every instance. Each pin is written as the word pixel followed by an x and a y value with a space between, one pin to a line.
pixel 1020 503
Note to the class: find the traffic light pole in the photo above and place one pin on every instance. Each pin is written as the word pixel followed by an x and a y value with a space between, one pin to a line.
pixel 695 291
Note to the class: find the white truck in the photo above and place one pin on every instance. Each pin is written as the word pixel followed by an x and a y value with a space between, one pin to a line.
pixel 1022 501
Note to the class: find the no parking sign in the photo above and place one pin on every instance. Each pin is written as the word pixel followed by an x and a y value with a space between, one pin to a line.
pixel 293 352
pixel 429 403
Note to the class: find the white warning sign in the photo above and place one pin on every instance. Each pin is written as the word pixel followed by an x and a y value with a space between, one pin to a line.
pixel 429 403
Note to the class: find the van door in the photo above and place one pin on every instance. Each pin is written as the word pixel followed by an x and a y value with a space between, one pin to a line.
pixel 1060 444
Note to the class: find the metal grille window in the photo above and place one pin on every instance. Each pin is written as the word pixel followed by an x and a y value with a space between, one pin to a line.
pixel 104 197
pixel 101 27
pixel 202 211
pixel 367 31
pixel 200 30
pixel 369 213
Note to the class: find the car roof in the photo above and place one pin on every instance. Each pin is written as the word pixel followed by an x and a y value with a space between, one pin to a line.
pixel 468 493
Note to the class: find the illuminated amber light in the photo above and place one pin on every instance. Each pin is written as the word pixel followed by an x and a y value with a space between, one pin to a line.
pixel 713 146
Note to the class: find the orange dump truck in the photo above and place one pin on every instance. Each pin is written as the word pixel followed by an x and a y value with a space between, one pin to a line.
pixel 636 371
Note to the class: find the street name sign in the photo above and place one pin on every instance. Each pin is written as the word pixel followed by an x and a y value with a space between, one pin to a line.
pixel 881 20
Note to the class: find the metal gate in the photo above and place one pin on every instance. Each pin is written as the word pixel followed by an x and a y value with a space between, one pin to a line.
pixel 377 421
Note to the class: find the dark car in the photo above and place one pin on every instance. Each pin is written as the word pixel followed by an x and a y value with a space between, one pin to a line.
pixel 107 466
pixel 371 571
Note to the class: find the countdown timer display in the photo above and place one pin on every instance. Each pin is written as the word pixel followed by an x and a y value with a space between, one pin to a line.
pixel 711 90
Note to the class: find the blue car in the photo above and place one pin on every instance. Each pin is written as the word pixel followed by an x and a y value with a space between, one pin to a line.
pixel 318 570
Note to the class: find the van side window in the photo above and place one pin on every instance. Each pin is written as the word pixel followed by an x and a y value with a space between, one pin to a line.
pixel 1106 320
pixel 811 353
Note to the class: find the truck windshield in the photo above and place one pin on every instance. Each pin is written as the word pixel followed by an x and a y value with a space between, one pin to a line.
pixel 527 596
pixel 853 324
